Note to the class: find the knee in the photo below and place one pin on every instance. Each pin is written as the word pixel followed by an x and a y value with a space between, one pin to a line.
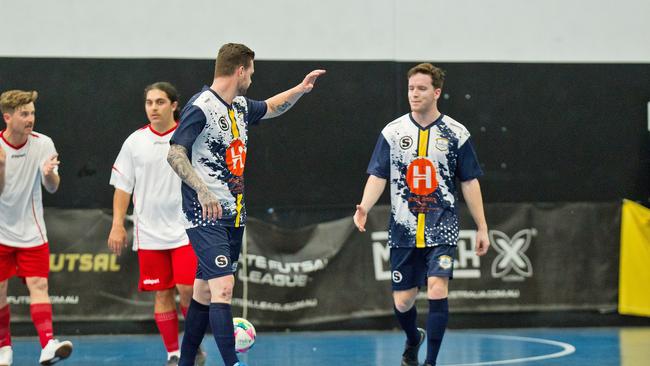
pixel 201 293
pixel 165 296
pixel 226 293
pixel 403 304
pixel 437 292
pixel 37 285
pixel 185 294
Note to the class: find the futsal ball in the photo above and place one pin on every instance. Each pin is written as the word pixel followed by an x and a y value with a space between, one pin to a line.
pixel 244 335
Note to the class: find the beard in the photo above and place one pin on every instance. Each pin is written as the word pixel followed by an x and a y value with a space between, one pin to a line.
pixel 242 89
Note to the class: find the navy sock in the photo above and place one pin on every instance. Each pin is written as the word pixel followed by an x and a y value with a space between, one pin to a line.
pixel 436 326
pixel 195 323
pixel 407 321
pixel 223 331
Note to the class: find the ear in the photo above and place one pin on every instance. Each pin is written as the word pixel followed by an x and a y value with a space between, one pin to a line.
pixel 6 117
pixel 437 92
pixel 174 106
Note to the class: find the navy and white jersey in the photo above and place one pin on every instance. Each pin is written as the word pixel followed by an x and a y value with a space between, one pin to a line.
pixel 215 136
pixel 422 165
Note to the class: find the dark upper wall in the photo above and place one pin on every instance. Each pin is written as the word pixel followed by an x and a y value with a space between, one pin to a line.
pixel 544 132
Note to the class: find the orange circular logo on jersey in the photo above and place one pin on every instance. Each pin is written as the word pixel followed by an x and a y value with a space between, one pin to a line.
pixel 421 177
pixel 236 157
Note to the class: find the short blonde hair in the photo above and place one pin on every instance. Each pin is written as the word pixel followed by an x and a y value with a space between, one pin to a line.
pixel 12 99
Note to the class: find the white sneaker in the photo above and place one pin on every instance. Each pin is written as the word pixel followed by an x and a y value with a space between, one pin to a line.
pixel 6 356
pixel 55 351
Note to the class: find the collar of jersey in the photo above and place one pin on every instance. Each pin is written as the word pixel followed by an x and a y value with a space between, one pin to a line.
pixel 437 121
pixel 205 87
pixel 2 136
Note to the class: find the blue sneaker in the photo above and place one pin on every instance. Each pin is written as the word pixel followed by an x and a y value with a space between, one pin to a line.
pixel 239 364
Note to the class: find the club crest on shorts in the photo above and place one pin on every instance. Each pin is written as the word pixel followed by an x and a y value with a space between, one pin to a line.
pixel 221 261
pixel 397 276
pixel 445 261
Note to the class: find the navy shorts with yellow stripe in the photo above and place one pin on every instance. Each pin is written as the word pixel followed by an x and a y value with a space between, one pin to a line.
pixel 217 249
pixel 410 267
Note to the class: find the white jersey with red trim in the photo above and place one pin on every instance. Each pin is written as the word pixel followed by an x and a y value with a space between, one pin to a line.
pixel 141 169
pixel 21 203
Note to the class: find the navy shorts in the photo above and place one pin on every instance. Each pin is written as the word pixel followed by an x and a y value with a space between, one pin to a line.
pixel 410 267
pixel 217 249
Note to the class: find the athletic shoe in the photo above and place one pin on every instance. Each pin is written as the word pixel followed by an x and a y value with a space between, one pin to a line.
pixel 6 356
pixel 239 364
pixel 55 351
pixel 173 361
pixel 201 356
pixel 410 355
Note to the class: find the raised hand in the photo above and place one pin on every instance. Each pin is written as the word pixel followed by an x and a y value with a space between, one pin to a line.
pixel 309 81
pixel 49 165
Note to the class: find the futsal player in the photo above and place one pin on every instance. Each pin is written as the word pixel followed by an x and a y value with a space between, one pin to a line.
pixel 424 153
pixel 167 261
pixel 30 160
pixel 208 152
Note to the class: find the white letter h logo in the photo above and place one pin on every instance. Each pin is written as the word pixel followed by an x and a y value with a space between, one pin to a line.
pixel 417 177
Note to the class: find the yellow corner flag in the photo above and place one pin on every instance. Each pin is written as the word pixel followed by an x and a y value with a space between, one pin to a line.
pixel 634 279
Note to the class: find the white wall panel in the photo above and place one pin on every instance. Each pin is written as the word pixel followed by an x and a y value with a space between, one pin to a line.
pixel 440 30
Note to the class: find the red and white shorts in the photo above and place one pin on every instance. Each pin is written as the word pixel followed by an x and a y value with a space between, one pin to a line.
pixel 164 269
pixel 24 262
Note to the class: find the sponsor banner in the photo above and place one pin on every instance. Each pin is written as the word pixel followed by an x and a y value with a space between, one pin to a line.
pixel 543 257
pixel 87 281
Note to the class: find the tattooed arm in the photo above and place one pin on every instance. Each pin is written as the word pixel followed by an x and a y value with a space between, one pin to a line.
pixel 177 158
pixel 280 103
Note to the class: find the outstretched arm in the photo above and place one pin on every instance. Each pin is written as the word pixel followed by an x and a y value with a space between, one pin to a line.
pixel 177 158
pixel 472 194
pixel 3 160
pixel 280 103
pixel 374 188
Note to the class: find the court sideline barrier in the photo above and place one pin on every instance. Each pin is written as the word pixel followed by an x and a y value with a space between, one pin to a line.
pixel 560 256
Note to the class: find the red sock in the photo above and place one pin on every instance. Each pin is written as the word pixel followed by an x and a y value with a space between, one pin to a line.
pixel 5 332
pixel 168 327
pixel 42 318
pixel 184 310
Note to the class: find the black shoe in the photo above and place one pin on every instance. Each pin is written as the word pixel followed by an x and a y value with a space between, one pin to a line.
pixel 410 355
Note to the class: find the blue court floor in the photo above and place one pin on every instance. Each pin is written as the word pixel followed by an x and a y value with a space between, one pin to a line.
pixel 558 346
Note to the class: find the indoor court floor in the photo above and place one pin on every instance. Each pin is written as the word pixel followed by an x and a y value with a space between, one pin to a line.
pixel 535 346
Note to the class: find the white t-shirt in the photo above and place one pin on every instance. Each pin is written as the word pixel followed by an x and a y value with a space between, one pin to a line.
pixel 21 204
pixel 141 169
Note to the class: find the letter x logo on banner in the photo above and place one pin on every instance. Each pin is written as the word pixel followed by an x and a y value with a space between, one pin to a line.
pixel 511 255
